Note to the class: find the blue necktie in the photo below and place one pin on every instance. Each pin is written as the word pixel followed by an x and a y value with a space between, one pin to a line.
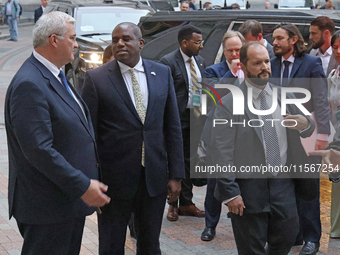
pixel 64 82
pixel 285 74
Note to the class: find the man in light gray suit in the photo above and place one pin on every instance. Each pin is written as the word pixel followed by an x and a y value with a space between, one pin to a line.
pixel 252 31
pixel 321 31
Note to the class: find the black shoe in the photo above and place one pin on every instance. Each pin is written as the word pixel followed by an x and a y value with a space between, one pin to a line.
pixel 10 39
pixel 309 248
pixel 208 234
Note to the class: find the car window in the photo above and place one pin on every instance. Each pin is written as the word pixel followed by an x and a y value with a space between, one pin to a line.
pixel 296 3
pixel 101 20
pixel 229 3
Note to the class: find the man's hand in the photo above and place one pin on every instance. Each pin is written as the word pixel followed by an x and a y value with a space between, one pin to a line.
pixel 300 121
pixel 174 188
pixel 94 195
pixel 328 157
pixel 321 145
pixel 235 65
pixel 16 17
pixel 236 205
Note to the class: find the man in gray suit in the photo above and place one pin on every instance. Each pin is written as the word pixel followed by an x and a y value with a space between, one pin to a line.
pixel 252 31
pixel 263 207
pixel 321 30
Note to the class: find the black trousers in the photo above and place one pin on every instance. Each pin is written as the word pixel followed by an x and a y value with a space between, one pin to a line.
pixel 191 134
pixel 148 212
pixel 63 238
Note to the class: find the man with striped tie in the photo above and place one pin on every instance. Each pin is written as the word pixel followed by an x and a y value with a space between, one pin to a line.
pixel 262 204
pixel 187 69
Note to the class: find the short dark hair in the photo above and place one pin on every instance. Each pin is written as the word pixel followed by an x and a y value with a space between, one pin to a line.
pixel 324 23
pixel 251 26
pixel 244 51
pixel 299 47
pixel 206 4
pixel 136 30
pixel 186 33
pixel 335 36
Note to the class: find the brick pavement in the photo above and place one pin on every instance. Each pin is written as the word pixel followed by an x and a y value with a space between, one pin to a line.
pixel 181 237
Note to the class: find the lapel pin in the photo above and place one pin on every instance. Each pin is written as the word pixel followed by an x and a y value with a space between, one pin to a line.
pixel 153 73
pixel 201 64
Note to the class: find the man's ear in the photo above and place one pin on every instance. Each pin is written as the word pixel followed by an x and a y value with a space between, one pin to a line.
pixel 243 67
pixel 259 37
pixel 294 39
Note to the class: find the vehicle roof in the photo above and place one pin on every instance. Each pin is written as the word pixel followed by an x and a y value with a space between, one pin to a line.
pixel 84 3
pixel 220 15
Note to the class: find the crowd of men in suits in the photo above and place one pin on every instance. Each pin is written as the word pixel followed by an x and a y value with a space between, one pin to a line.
pixel 128 143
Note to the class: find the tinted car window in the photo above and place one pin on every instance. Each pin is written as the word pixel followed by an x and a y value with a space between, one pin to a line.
pixel 104 19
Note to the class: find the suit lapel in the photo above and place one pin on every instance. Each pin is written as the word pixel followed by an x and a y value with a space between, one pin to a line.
pixel 200 66
pixel 296 65
pixel 333 64
pixel 250 115
pixel 64 94
pixel 151 89
pixel 276 68
pixel 180 63
pixel 119 84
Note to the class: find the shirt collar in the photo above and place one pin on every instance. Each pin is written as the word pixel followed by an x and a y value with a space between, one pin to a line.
pixel 290 59
pixel 328 52
pixel 185 57
pixel 124 68
pixel 49 65
pixel 257 91
pixel 265 43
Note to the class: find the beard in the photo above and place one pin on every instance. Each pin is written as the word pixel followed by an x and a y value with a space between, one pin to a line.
pixel 257 80
pixel 318 44
pixel 284 50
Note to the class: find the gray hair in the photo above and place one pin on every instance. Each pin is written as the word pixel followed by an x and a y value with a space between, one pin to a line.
pixel 230 34
pixel 49 24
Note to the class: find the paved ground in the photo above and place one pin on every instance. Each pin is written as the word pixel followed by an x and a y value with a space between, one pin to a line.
pixel 179 238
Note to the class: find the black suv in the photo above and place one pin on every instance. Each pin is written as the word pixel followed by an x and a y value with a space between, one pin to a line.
pixel 160 29
pixel 95 20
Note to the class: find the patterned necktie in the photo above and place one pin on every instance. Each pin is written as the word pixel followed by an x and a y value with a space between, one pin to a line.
pixel 140 105
pixel 270 137
pixel 64 82
pixel 195 86
pixel 285 74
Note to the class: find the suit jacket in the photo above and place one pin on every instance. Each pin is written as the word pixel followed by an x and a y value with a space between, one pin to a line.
pixel 219 70
pixel 37 14
pixel 308 73
pixel 333 64
pixel 179 73
pixel 238 145
pixel 51 148
pixel 120 132
pixel 15 9
pixel 270 50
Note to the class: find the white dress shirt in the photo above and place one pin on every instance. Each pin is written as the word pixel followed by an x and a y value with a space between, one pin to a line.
pixel 325 58
pixel 141 77
pixel 55 71
pixel 198 73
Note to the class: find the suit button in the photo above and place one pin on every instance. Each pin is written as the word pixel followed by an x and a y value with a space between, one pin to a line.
pixel 97 165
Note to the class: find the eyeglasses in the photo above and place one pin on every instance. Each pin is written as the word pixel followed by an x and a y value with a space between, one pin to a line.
pixel 198 43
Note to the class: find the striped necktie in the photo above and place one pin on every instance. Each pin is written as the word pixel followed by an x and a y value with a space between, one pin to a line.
pixel 270 138
pixel 195 86
pixel 140 105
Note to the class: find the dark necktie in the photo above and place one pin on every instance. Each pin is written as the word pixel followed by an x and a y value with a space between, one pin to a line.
pixel 64 82
pixel 270 137
pixel 195 86
pixel 285 74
